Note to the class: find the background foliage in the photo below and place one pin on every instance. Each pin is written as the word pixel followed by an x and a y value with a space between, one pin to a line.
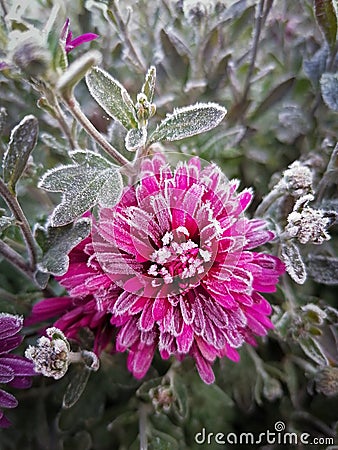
pixel 264 61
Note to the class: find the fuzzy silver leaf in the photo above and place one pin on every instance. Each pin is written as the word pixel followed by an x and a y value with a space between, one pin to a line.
pixel 189 121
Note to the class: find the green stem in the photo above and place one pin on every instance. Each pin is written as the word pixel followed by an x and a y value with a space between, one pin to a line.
pixel 16 260
pixel 60 117
pixel 76 111
pixel 260 17
pixel 143 415
pixel 19 215
pixel 267 202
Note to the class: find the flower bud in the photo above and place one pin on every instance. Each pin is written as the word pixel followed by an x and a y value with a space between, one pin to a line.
pixel 30 55
pixel 51 355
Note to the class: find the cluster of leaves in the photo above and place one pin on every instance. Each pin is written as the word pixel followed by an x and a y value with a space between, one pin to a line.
pixel 273 65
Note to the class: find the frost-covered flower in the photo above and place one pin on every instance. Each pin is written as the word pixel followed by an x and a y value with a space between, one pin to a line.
pixel 172 265
pixel 15 370
pixel 51 354
pixel 69 42
pixel 297 180
pixel 308 224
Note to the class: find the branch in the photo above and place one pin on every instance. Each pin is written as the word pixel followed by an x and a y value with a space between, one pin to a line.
pixel 22 222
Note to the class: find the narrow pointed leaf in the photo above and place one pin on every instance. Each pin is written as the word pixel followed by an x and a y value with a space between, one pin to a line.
pixel 57 242
pixel 327 20
pixel 111 96
pixel 148 87
pixel 189 121
pixel 273 97
pixel 21 144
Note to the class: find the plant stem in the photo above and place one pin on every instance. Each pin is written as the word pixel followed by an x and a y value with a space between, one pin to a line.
pixel 60 117
pixel 17 260
pixel 122 28
pixel 267 201
pixel 143 414
pixel 260 17
pixel 19 215
pixel 76 111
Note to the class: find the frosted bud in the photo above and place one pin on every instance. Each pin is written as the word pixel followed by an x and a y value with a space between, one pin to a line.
pixel 297 180
pixel 51 355
pixel 307 224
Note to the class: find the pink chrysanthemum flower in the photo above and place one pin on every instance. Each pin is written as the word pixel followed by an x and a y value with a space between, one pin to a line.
pixel 176 269
pixel 16 371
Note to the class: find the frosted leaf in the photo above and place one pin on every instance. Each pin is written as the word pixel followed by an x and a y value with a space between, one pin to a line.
pixel 293 262
pixel 188 121
pixel 94 180
pixel 21 144
pixel 136 138
pixel 313 350
pixel 56 243
pixel 76 386
pixel 329 88
pixel 148 87
pixel 111 96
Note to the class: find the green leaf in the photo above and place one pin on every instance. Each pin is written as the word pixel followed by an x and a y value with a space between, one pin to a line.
pixel 22 142
pixel 41 278
pixel 326 16
pixel 189 121
pixel 56 243
pixel 111 96
pixel 136 138
pixel 329 87
pixel 273 97
pixel 91 180
pixel 148 87
pixel 76 386
pixel 313 350
pixel 323 269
